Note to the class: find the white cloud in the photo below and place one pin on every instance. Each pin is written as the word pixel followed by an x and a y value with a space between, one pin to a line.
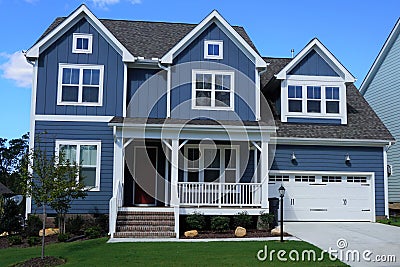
pixel 104 3
pixel 134 2
pixel 17 69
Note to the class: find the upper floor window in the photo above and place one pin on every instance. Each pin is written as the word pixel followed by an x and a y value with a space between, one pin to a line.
pixel 87 155
pixel 82 43
pixel 80 85
pixel 295 98
pixel 213 49
pixel 212 90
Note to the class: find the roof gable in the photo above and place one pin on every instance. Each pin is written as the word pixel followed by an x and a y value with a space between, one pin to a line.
pixel 313 65
pixel 322 52
pixel 216 18
pixel 66 24
pixel 394 34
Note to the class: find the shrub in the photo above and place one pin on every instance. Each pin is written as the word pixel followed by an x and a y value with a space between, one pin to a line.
pixel 14 240
pixel 62 237
pixel 74 225
pixel 93 232
pixel 265 221
pixel 220 223
pixel 33 240
pixel 196 221
pixel 10 218
pixel 33 225
pixel 242 219
pixel 101 220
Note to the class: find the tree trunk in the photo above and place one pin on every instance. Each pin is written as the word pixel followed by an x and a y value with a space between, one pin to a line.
pixel 44 228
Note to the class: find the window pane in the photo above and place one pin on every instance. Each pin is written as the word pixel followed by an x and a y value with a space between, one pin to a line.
pixel 313 106
pixel 207 81
pixel 211 175
pixel 222 99
pixel 69 152
pixel 216 50
pixel 203 98
pixel 69 93
pixel 313 92
pixel 230 176
pixel 85 43
pixel 332 107
pixel 211 158
pixel 91 77
pixel 230 158
pixel 295 106
pixel 88 176
pixel 95 77
pixel 336 93
pixel 79 43
pixel 88 155
pixel 294 91
pixel 90 94
pixel 87 76
pixel 193 157
pixel 218 82
pixel 332 93
pixel 199 81
pixel 328 92
pixel 70 76
pixel 226 82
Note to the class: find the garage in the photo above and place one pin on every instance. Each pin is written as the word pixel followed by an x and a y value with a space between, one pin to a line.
pixel 325 196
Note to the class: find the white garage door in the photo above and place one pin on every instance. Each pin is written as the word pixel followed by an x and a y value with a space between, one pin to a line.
pixel 311 197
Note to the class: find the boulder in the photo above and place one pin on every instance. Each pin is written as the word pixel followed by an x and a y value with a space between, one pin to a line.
pixel 49 232
pixel 191 233
pixel 276 231
pixel 4 234
pixel 240 231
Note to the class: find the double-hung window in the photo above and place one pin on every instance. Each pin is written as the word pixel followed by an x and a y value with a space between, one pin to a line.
pixel 80 85
pixel 87 155
pixel 295 98
pixel 212 90
pixel 332 99
pixel 314 99
pixel 82 43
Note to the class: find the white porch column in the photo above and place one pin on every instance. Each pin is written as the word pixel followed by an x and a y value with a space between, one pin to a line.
pixel 174 172
pixel 264 174
pixel 118 166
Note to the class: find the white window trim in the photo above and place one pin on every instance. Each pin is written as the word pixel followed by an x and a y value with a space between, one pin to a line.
pixel 78 143
pixel 214 42
pixel 81 67
pixel 222 161
pixel 85 36
pixel 213 73
pixel 285 114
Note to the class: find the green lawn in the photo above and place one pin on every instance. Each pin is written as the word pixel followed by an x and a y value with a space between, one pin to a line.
pixel 392 221
pixel 98 253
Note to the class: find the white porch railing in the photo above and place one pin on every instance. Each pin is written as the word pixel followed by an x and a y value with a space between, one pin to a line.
pixel 219 194
pixel 115 203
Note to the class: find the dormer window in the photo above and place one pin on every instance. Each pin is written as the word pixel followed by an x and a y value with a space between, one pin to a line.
pixel 213 49
pixel 82 43
pixel 332 99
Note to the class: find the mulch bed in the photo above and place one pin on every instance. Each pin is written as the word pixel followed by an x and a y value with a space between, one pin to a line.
pixel 47 240
pixel 48 261
pixel 250 233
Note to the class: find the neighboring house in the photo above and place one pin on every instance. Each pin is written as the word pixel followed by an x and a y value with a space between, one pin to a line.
pixel 4 191
pixel 380 87
pixel 171 118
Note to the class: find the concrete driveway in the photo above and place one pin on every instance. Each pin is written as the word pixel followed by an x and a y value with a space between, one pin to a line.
pixel 383 241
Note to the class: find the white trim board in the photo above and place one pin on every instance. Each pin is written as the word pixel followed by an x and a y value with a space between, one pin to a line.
pixel 80 12
pixel 214 16
pixel 72 118
pixel 329 141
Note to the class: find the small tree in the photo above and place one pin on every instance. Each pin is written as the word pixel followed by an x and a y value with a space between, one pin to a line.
pixel 42 179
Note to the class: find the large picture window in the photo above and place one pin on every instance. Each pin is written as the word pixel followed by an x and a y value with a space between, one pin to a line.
pixel 87 155
pixel 212 90
pixel 80 85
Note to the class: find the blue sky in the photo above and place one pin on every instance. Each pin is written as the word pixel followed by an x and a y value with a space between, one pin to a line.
pixel 354 31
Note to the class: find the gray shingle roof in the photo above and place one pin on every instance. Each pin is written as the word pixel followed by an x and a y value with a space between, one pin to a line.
pixel 148 39
pixel 362 121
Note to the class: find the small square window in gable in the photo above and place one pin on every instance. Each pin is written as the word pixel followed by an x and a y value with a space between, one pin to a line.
pixel 213 49
pixel 82 43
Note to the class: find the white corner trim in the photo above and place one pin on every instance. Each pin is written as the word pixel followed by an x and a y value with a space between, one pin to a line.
pixel 385 182
pixel 72 118
pixel 81 12
pixel 213 16
pixel 381 56
pixel 324 52
pixel 125 94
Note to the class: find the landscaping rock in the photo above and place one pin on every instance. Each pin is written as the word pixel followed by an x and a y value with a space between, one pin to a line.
pixel 276 231
pixel 49 232
pixel 191 233
pixel 4 234
pixel 240 231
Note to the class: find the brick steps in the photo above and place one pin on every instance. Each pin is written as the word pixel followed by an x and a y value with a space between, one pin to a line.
pixel 145 224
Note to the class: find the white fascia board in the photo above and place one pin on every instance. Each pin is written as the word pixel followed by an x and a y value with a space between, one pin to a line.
pixel 330 141
pixel 322 51
pixel 214 16
pixel 82 118
pixel 81 12
pixel 381 56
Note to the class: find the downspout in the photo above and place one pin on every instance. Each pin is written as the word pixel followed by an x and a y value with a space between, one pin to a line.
pixel 168 70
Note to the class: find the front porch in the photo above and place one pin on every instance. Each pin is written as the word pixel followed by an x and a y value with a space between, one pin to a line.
pixel 180 172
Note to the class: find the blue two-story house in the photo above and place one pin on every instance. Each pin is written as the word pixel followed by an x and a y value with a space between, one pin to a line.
pixel 167 119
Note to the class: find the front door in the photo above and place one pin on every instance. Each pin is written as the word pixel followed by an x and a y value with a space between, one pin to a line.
pixel 145 174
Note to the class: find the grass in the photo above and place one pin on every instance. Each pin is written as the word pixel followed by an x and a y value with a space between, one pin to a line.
pixel 392 221
pixel 97 252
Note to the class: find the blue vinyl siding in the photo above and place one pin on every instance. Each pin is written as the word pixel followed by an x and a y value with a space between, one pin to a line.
pixel 147 90
pixel 329 158
pixel 192 57
pixel 383 96
pixel 61 52
pixel 95 202
pixel 313 65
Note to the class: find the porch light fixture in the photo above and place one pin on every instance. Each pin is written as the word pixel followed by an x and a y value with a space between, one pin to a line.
pixel 347 159
pixel 281 194
pixel 293 158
